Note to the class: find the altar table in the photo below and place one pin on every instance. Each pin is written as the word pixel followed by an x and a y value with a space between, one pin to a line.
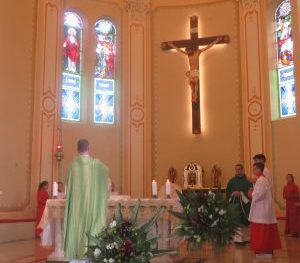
pixel 52 219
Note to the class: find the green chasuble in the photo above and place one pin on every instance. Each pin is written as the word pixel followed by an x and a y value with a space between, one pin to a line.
pixel 241 184
pixel 86 204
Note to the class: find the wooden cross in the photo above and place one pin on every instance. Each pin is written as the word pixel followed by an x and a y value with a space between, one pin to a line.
pixel 193 52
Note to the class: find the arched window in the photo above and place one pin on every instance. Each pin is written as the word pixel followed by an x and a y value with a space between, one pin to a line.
pixel 285 59
pixel 71 76
pixel 104 78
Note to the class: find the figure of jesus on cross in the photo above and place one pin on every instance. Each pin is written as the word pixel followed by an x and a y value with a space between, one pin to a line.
pixel 193 73
pixel 193 52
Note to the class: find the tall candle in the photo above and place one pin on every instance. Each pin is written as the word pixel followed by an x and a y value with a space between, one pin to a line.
pixel 168 188
pixel 55 189
pixel 154 188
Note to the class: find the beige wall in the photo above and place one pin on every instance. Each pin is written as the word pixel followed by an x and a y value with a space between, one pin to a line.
pixel 221 139
pixel 18 32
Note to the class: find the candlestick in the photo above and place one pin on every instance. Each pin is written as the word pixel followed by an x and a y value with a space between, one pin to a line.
pixel 154 188
pixel 55 189
pixel 168 189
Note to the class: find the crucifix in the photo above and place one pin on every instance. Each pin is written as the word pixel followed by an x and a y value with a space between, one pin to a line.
pixel 193 53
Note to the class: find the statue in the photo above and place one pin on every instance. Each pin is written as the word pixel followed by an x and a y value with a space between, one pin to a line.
pixel 193 55
pixel 172 173
pixel 216 174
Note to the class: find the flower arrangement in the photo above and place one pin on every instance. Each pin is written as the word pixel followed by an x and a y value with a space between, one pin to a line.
pixel 206 217
pixel 123 241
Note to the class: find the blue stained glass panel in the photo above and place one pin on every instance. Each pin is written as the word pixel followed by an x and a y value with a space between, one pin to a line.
pixel 71 81
pixel 286 74
pixel 104 108
pixel 285 58
pixel 287 100
pixel 104 85
pixel 104 72
pixel 70 105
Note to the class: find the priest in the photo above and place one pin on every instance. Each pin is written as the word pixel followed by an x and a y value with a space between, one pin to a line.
pixel 86 202
pixel 237 193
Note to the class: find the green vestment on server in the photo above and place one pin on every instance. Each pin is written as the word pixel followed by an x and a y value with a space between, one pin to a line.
pixel 86 204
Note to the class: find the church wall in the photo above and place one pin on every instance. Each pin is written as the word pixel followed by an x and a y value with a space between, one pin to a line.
pixel 220 141
pixel 17 52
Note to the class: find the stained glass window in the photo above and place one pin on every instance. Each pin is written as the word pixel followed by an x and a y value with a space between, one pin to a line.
pixel 285 59
pixel 71 79
pixel 104 77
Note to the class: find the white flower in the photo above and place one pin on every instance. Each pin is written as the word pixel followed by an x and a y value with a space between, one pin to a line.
pixel 210 216
pixel 111 246
pixel 214 223
pixel 222 212
pixel 111 260
pixel 113 224
pixel 216 209
pixel 210 192
pixel 97 252
pixel 105 260
pixel 115 245
pixel 201 208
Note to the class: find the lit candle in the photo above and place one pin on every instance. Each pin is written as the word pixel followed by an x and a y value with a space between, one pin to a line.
pixel 154 188
pixel 168 189
pixel 55 189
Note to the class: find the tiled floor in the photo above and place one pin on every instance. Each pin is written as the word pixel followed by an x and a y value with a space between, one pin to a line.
pixel 26 251
pixel 29 251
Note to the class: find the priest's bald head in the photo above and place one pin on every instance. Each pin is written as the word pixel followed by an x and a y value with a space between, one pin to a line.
pixel 83 146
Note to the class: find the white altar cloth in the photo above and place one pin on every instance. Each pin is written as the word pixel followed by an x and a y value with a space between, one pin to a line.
pixel 52 219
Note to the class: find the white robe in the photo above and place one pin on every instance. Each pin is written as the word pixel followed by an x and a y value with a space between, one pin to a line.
pixel 262 207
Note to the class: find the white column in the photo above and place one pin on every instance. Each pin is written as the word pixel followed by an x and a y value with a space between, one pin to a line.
pixel 137 103
pixel 256 112
pixel 47 87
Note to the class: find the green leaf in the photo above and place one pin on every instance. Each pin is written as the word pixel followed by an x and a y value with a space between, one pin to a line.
pixel 163 252
pixel 119 216
pixel 146 227
pixel 153 239
pixel 92 240
pixel 179 215
pixel 135 212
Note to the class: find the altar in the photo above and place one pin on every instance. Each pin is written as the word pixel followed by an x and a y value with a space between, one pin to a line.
pixel 52 220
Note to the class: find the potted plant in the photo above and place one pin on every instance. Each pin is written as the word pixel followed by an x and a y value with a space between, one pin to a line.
pixel 124 241
pixel 206 218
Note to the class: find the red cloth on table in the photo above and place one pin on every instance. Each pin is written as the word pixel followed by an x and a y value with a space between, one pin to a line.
pixel 42 198
pixel 291 194
pixel 264 237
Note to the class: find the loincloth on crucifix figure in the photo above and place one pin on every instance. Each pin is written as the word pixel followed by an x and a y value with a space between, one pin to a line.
pixel 193 76
pixel 193 55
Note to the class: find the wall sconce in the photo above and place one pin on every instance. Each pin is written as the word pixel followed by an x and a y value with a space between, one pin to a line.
pixel 59 154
